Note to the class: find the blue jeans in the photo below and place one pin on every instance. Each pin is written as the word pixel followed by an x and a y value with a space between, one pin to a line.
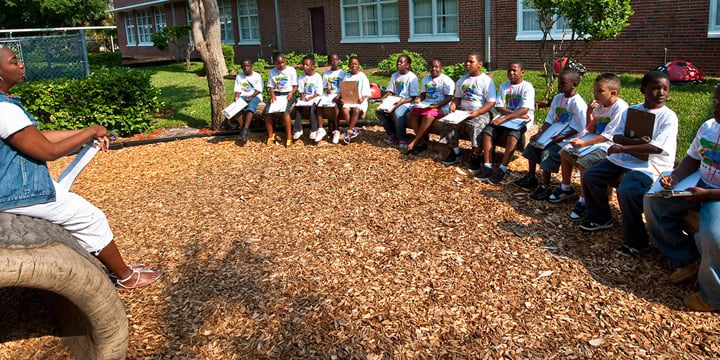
pixel 707 240
pixel 665 222
pixel 395 123
pixel 630 195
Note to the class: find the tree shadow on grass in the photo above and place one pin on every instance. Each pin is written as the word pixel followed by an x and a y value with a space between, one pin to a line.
pixel 180 97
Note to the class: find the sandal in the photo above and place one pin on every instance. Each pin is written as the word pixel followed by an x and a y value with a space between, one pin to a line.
pixel 121 284
pixel 133 267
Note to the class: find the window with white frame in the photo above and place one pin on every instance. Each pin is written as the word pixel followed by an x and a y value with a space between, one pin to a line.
pixel 144 27
pixel 370 20
pixel 434 20
pixel 714 24
pixel 528 27
pixel 129 28
pixel 160 18
pixel 226 25
pixel 248 22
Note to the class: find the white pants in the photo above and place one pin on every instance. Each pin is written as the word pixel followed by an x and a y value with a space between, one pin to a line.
pixel 82 219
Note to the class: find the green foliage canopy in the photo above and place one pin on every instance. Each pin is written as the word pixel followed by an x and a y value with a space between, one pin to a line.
pixel 16 14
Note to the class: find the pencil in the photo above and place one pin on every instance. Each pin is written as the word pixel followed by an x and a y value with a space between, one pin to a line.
pixel 658 171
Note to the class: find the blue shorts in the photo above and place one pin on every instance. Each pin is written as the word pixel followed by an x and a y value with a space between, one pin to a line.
pixel 252 104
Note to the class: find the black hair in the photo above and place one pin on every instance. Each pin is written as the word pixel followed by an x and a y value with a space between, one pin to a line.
pixel 248 60
pixel 476 56
pixel 517 62
pixel 354 57
pixel 434 60
pixel 573 75
pixel 653 76
pixel 610 79
pixel 310 57
pixel 278 55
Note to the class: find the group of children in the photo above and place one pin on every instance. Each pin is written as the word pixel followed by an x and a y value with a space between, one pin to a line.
pixel 591 137
pixel 310 93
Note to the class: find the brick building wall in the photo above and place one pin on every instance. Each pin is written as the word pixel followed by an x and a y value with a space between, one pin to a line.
pixel 654 27
pixel 296 33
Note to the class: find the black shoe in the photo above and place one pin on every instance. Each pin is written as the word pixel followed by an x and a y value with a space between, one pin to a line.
pixel 418 149
pixel 244 135
pixel 579 213
pixel 541 193
pixel 496 177
pixel 527 182
pixel 452 158
pixel 560 195
pixel 625 250
pixel 483 174
pixel 588 225
pixel 476 163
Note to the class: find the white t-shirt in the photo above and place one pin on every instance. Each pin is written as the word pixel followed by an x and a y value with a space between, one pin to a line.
pixel 664 137
pixel 13 119
pixel 403 85
pixel 515 96
pixel 706 149
pixel 475 91
pixel 282 81
pixel 607 118
pixel 571 110
pixel 436 89
pixel 246 85
pixel 332 79
pixel 309 85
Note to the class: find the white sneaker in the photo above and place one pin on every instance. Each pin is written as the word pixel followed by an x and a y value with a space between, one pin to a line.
pixel 336 137
pixel 297 135
pixel 313 134
pixel 319 135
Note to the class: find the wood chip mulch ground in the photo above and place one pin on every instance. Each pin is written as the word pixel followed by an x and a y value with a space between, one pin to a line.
pixel 360 252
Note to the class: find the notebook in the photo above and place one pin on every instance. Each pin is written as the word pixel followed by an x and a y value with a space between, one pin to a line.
pixel 639 123
pixel 349 92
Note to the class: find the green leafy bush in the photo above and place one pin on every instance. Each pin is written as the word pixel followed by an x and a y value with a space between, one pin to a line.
pixel 105 58
pixel 229 56
pixel 259 65
pixel 344 63
pixel 292 58
pixel 457 70
pixel 120 99
pixel 388 65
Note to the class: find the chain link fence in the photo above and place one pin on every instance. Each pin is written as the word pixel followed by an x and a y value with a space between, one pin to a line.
pixel 51 56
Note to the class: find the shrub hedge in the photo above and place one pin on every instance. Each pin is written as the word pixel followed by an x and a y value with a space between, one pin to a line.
pixel 389 64
pixel 120 99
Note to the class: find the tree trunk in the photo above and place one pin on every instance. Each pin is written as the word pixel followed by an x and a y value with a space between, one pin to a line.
pixel 205 16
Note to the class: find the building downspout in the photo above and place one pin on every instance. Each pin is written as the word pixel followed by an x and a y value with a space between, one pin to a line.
pixel 277 27
pixel 488 37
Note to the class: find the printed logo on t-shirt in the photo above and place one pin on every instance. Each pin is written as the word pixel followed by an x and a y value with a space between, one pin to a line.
pixel 432 90
pixel 246 86
pixel 512 101
pixel 333 83
pixel 468 91
pixel 562 115
pixel 282 81
pixel 710 153
pixel 600 124
pixel 309 88
pixel 399 87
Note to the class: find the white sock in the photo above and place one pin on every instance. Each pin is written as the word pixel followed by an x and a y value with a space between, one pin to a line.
pixel 503 168
pixel 581 200
pixel 488 165
pixel 565 187
pixel 456 150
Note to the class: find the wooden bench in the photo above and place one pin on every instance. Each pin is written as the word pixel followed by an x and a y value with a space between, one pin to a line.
pixel 436 127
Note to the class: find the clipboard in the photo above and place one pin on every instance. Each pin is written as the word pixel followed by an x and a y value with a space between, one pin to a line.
pixel 349 92
pixel 639 123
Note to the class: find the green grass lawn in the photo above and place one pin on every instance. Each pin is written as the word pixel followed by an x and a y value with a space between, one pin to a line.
pixel 186 93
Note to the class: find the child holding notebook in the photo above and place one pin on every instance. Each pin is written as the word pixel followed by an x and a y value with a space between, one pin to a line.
pixel 637 159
